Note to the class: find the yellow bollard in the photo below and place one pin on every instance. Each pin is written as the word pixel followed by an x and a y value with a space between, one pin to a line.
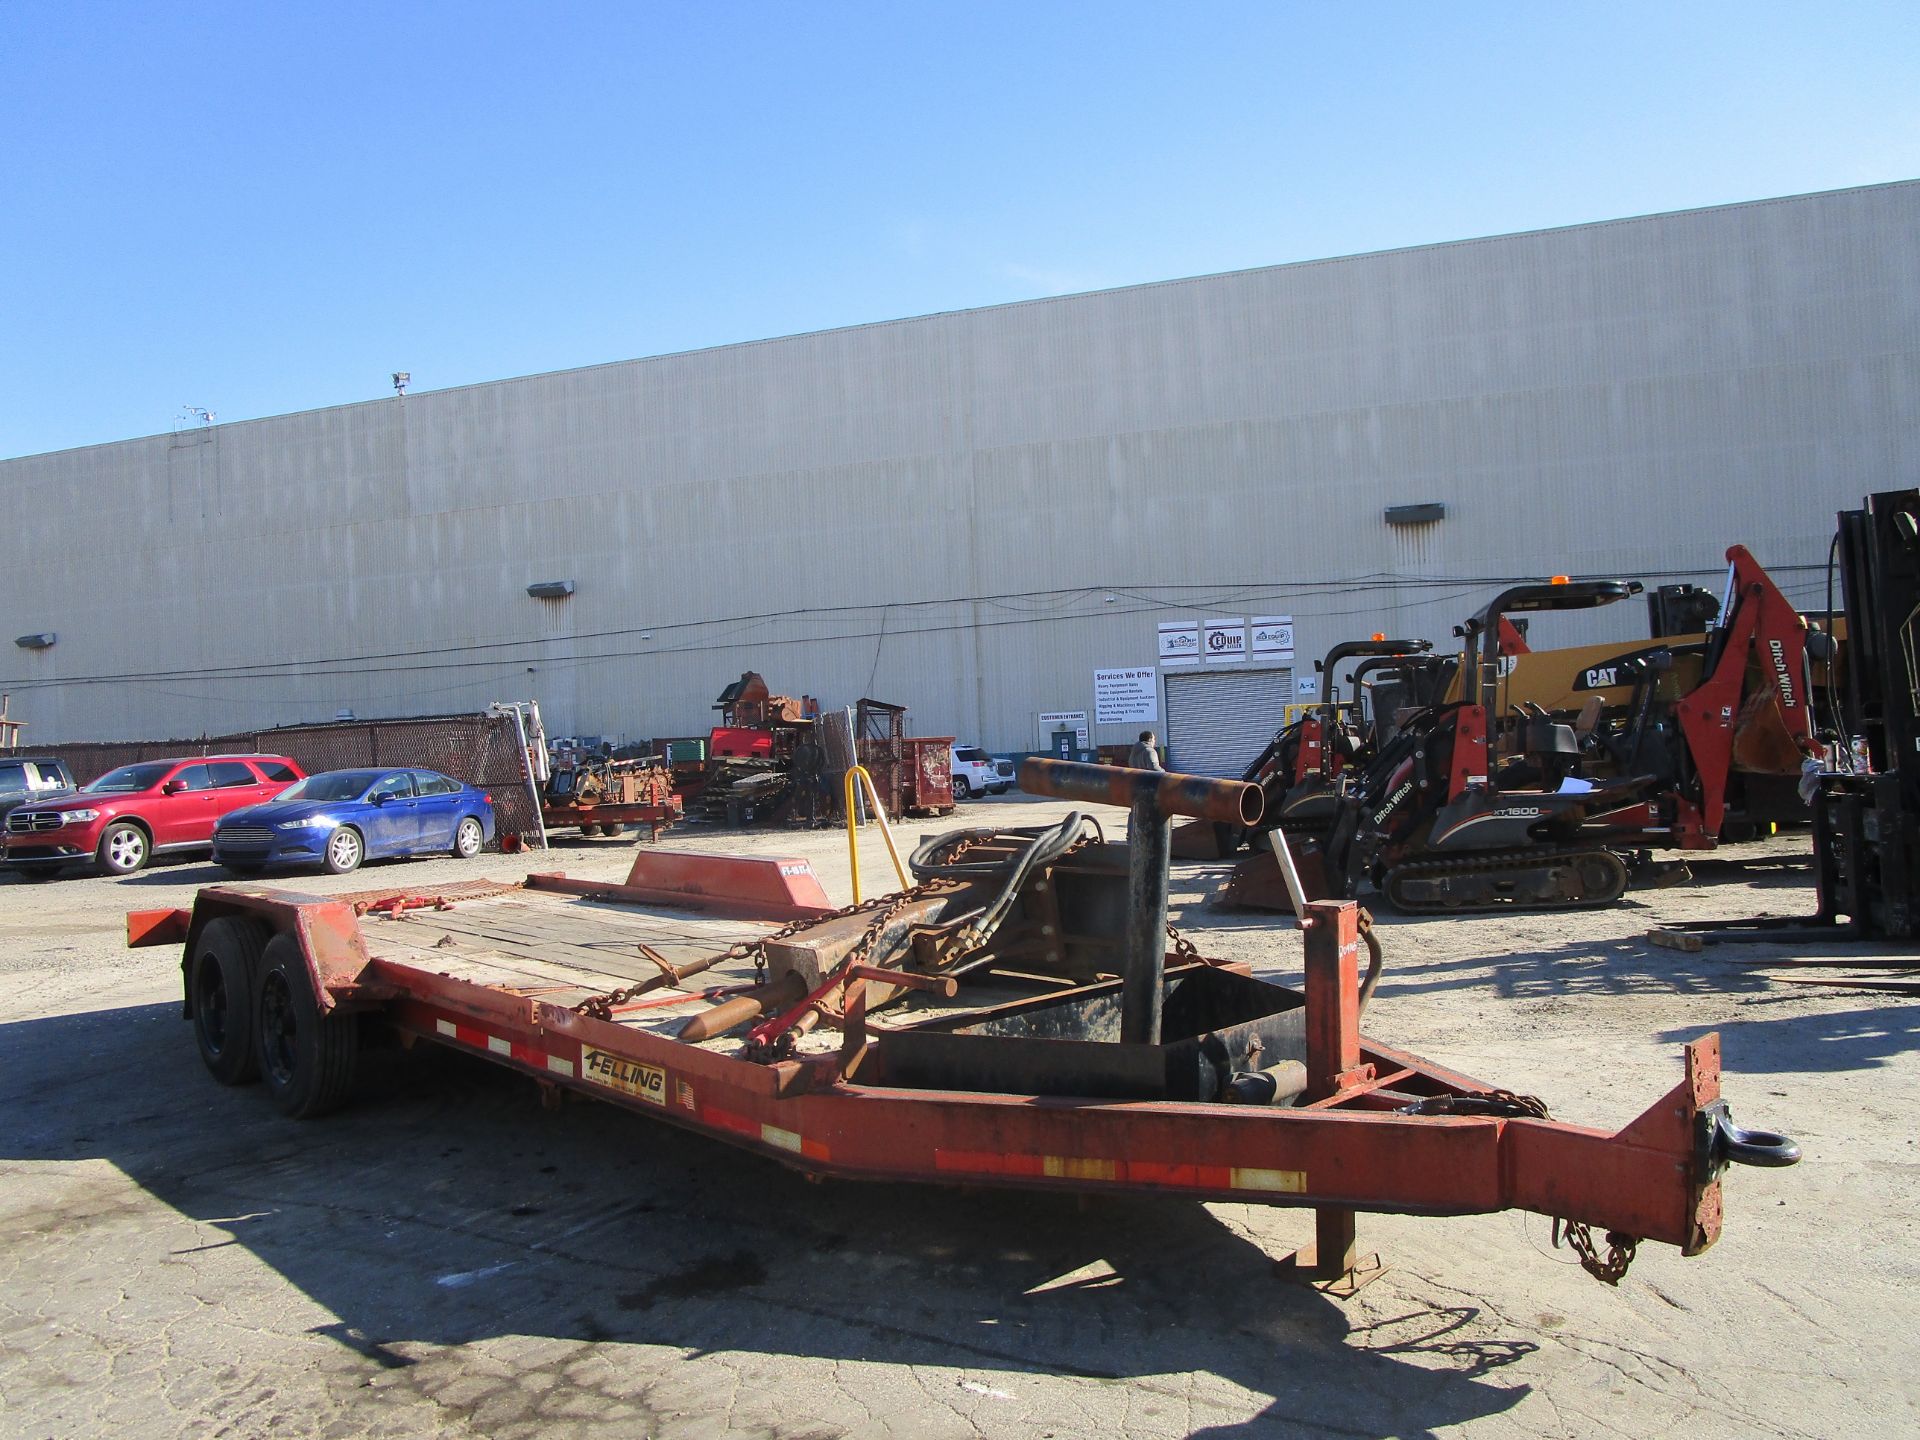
pixel 886 830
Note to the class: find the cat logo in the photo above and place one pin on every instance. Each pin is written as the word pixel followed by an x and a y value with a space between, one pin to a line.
pixel 1600 677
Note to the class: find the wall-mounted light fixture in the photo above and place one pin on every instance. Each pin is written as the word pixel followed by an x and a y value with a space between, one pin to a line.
pixel 1425 514
pixel 550 589
pixel 42 641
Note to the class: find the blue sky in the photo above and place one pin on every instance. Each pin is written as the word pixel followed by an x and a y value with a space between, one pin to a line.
pixel 261 208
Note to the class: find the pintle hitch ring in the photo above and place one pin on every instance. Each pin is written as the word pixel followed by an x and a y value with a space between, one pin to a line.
pixel 1718 1142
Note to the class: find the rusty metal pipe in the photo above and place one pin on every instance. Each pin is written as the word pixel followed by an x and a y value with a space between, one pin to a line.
pixel 730 1014
pixel 1229 802
pixel 945 986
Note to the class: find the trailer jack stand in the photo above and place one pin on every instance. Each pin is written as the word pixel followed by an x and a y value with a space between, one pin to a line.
pixel 1332 1264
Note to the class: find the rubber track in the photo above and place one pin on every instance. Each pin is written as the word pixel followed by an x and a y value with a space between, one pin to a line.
pixel 1498 863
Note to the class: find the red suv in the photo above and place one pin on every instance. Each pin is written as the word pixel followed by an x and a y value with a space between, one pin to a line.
pixel 129 815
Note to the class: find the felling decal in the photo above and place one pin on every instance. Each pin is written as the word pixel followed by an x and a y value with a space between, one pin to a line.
pixel 630 1077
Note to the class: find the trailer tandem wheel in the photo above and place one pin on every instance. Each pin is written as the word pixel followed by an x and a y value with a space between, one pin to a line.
pixel 306 1059
pixel 224 964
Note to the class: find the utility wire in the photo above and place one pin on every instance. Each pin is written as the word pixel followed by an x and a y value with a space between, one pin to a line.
pixel 735 631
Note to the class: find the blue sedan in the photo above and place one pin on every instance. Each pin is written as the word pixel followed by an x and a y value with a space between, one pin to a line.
pixel 343 817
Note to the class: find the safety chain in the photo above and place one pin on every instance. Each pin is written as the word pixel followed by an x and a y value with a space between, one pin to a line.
pixel 782 1045
pixel 1579 1235
pixel 600 1007
pixel 1620 1250
pixel 1182 946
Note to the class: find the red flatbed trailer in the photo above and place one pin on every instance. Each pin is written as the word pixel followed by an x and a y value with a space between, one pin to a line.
pixel 545 978
pixel 612 817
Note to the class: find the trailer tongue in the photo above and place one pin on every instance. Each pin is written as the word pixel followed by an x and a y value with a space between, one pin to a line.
pixel 1014 1018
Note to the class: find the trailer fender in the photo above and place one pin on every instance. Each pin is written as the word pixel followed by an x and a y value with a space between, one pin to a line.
pixel 326 930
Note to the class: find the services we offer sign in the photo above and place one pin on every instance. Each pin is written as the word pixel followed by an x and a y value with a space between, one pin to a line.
pixel 1126 697
pixel 1179 642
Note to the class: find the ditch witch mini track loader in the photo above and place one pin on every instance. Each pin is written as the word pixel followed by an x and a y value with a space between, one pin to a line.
pixel 1299 771
pixel 1459 811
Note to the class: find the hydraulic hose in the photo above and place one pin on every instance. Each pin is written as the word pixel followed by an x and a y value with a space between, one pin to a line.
pixel 1045 846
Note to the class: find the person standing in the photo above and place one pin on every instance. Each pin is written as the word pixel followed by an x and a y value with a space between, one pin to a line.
pixel 807 768
pixel 1145 755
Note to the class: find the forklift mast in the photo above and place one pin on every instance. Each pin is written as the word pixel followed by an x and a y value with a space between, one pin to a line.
pixel 1867 827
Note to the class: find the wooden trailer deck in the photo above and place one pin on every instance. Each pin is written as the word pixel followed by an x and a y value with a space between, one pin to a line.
pixel 564 950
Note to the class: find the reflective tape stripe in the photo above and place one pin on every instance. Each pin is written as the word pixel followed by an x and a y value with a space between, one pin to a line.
pixel 478 1039
pixel 1279 1182
pixel 785 1139
pixel 789 1140
pixel 1132 1172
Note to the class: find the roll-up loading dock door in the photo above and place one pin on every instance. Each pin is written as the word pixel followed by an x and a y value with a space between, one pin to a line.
pixel 1219 720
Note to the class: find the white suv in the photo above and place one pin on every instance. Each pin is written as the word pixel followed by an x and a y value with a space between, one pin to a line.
pixel 977 773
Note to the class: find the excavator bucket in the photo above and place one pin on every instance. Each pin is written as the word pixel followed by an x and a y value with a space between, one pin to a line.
pixel 1256 882
pixel 1204 840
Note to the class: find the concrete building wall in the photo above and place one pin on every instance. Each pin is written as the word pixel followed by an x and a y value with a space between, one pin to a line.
pixel 971 512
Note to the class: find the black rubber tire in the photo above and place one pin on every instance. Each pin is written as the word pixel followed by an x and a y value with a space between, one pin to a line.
pixel 307 1060
pixel 226 957
pixel 351 856
pixel 124 857
pixel 961 788
pixel 463 849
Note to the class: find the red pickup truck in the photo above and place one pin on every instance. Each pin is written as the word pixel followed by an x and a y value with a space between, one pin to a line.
pixel 129 815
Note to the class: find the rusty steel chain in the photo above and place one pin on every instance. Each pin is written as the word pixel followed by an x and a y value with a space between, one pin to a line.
pixel 601 1007
pixel 1577 1233
pixel 1620 1250
pixel 1182 946
pixel 782 1045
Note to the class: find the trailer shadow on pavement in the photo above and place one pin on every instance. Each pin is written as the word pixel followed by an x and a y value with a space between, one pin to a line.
pixel 446 1210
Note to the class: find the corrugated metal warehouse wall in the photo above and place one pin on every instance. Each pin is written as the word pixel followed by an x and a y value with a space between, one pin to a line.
pixel 971 512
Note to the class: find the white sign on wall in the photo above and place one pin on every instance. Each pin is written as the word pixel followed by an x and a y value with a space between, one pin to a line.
pixel 1273 637
pixel 1074 720
pixel 1126 697
pixel 1226 641
pixel 1179 642
pixel 1306 687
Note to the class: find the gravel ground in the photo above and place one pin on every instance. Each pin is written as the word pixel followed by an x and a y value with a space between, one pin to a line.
pixel 447 1258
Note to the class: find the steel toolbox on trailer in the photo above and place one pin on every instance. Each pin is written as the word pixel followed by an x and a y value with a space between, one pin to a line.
pixel 1014 1018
